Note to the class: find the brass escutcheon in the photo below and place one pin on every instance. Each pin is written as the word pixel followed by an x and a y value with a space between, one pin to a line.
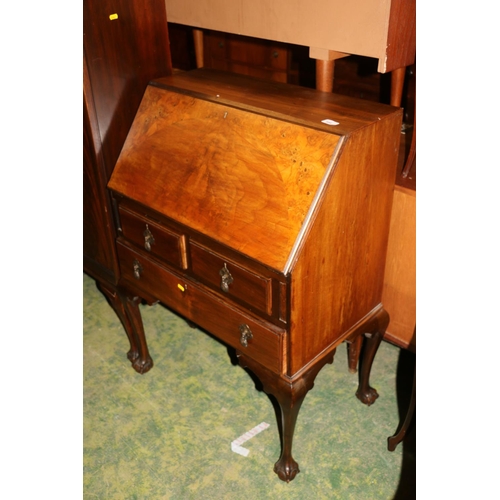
pixel 245 335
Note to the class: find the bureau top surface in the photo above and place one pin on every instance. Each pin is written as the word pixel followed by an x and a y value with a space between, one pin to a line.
pixel 291 102
pixel 227 157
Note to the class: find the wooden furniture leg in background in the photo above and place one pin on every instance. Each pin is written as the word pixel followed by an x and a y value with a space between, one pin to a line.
pixel 393 441
pixel 397 84
pixel 402 390
pixel 198 47
pixel 324 75
pixel 325 64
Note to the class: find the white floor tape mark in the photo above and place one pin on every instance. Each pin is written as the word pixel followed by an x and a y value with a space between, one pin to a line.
pixel 236 444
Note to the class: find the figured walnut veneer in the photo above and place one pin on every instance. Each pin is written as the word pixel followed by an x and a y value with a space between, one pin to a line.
pixel 257 211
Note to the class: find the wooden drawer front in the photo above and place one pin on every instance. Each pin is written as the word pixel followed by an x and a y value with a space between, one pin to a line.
pixel 203 308
pixel 159 241
pixel 243 285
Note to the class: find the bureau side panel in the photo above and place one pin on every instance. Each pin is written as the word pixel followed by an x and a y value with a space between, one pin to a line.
pixel 338 276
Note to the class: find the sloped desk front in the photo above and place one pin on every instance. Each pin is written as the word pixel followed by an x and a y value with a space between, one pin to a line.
pixel 239 208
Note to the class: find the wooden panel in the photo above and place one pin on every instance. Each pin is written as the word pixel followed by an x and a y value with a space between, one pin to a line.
pixel 99 254
pixel 399 296
pixel 346 246
pixel 356 27
pixel 232 199
pixel 204 309
pixel 401 39
pixel 123 55
pixel 120 57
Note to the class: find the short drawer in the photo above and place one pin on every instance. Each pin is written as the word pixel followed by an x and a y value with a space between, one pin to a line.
pixel 260 340
pixel 159 241
pixel 231 279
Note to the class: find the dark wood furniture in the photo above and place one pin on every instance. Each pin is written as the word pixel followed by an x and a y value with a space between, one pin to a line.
pixel 242 210
pixel 125 45
pixel 247 56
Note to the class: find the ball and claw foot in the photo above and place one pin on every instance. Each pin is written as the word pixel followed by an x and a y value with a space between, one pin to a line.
pixel 142 365
pixel 286 469
pixel 367 397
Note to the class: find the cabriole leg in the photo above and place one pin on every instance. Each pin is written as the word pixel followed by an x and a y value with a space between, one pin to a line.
pixel 119 306
pixel 127 309
pixel 142 363
pixel 365 393
pixel 290 394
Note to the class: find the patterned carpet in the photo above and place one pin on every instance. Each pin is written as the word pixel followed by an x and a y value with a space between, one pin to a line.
pixel 167 434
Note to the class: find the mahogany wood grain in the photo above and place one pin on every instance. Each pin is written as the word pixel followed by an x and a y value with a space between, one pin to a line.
pixel 99 254
pixel 401 37
pixel 353 223
pixel 299 104
pixel 123 55
pixel 247 56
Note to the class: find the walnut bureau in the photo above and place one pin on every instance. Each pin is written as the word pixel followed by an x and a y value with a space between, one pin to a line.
pixel 241 209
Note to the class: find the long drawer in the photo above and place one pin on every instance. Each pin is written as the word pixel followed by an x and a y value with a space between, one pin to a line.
pixel 260 340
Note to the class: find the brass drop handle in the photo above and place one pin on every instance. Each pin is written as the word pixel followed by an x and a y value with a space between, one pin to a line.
pixel 225 278
pixel 137 269
pixel 245 335
pixel 148 238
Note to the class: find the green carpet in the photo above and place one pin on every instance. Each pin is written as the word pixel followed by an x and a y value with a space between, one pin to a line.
pixel 167 434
